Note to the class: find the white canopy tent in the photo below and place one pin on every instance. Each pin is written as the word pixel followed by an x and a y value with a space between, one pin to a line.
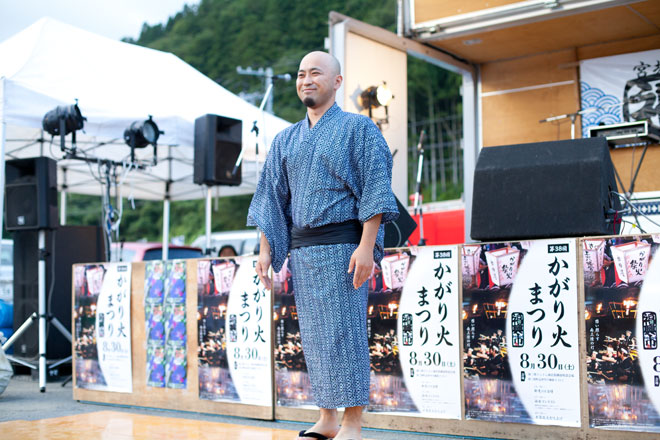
pixel 51 63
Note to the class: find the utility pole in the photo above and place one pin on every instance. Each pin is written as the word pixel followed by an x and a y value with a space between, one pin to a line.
pixel 269 79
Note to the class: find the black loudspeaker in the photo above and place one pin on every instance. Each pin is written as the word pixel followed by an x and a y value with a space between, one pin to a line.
pixel 217 147
pixel 544 189
pixel 398 231
pixel 31 194
pixel 66 245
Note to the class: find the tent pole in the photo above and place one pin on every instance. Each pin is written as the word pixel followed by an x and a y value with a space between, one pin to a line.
pixel 3 135
pixel 166 227
pixel 63 199
pixel 209 200
pixel 166 205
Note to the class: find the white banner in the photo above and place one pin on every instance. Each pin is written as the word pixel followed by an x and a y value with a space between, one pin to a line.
pixel 248 330
pixel 620 88
pixel 542 333
pixel 113 325
pixel 428 329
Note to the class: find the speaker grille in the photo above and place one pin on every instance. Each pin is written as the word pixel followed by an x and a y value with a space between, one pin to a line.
pixel 217 147
pixel 543 190
pixel 22 206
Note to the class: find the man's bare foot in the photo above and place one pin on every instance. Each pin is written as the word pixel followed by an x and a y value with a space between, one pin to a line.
pixel 346 433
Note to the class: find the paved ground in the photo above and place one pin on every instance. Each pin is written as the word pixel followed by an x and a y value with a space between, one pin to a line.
pixel 23 401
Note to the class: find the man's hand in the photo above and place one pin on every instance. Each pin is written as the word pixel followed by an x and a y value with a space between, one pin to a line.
pixel 362 261
pixel 263 262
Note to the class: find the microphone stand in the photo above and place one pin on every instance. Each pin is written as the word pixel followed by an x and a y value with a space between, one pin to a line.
pixel 255 129
pixel 418 189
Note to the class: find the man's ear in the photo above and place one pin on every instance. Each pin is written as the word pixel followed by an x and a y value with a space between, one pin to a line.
pixel 338 80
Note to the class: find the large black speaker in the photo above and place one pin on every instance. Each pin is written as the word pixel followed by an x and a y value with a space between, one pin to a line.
pixel 66 245
pixel 217 147
pixel 31 194
pixel 544 189
pixel 398 231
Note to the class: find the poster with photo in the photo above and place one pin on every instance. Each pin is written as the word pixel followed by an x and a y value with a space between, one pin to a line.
pixel 234 331
pixel 154 294
pixel 412 325
pixel 521 355
pixel 102 333
pixel 622 282
pixel 165 315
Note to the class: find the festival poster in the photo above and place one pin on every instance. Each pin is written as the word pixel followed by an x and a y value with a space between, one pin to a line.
pixel 620 88
pixel 154 294
pixel 234 324
pixel 412 325
pixel 622 303
pixel 521 356
pixel 102 316
pixel 428 332
pixel 175 324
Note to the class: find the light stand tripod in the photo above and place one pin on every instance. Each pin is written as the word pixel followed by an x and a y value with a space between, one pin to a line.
pixel 418 189
pixel 43 318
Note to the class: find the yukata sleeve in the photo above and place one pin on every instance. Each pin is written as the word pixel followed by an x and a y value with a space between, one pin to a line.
pixel 270 206
pixel 375 178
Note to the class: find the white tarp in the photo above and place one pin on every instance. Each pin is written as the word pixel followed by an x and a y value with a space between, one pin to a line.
pixel 51 63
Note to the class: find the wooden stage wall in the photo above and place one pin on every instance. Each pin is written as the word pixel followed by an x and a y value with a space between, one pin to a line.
pixel 188 400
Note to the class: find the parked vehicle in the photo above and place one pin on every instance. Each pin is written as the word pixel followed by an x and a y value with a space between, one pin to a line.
pixel 243 241
pixel 7 271
pixel 138 251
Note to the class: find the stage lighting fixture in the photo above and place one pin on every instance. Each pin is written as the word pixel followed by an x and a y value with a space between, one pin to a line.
pixel 374 97
pixel 142 133
pixel 63 120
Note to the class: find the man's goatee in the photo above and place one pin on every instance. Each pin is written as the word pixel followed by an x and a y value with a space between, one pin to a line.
pixel 309 102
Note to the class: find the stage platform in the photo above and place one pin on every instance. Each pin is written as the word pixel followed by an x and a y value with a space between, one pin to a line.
pixel 25 413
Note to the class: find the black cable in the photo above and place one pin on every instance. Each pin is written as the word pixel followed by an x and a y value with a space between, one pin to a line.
pixel 639 165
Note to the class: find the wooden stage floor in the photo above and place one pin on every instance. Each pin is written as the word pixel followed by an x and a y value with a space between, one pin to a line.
pixel 111 425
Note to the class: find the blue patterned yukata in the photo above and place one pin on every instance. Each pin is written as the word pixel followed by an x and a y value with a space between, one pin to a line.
pixel 338 170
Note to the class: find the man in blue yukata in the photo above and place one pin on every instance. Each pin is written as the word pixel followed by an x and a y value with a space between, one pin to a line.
pixel 324 196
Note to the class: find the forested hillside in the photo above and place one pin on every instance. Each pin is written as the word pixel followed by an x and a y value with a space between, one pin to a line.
pixel 215 37
pixel 218 35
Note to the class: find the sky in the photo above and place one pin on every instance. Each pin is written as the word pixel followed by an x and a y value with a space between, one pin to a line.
pixel 112 18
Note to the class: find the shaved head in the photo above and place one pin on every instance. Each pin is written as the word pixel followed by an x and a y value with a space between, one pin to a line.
pixel 323 59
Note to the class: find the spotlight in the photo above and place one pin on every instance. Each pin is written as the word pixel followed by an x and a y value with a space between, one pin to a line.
pixel 62 120
pixel 142 133
pixel 374 97
pixel 66 118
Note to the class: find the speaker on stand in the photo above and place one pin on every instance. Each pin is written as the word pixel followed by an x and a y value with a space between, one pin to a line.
pixel 31 195
pixel 218 146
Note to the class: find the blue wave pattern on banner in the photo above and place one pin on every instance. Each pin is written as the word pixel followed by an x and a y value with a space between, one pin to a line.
pixel 605 109
pixel 648 208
